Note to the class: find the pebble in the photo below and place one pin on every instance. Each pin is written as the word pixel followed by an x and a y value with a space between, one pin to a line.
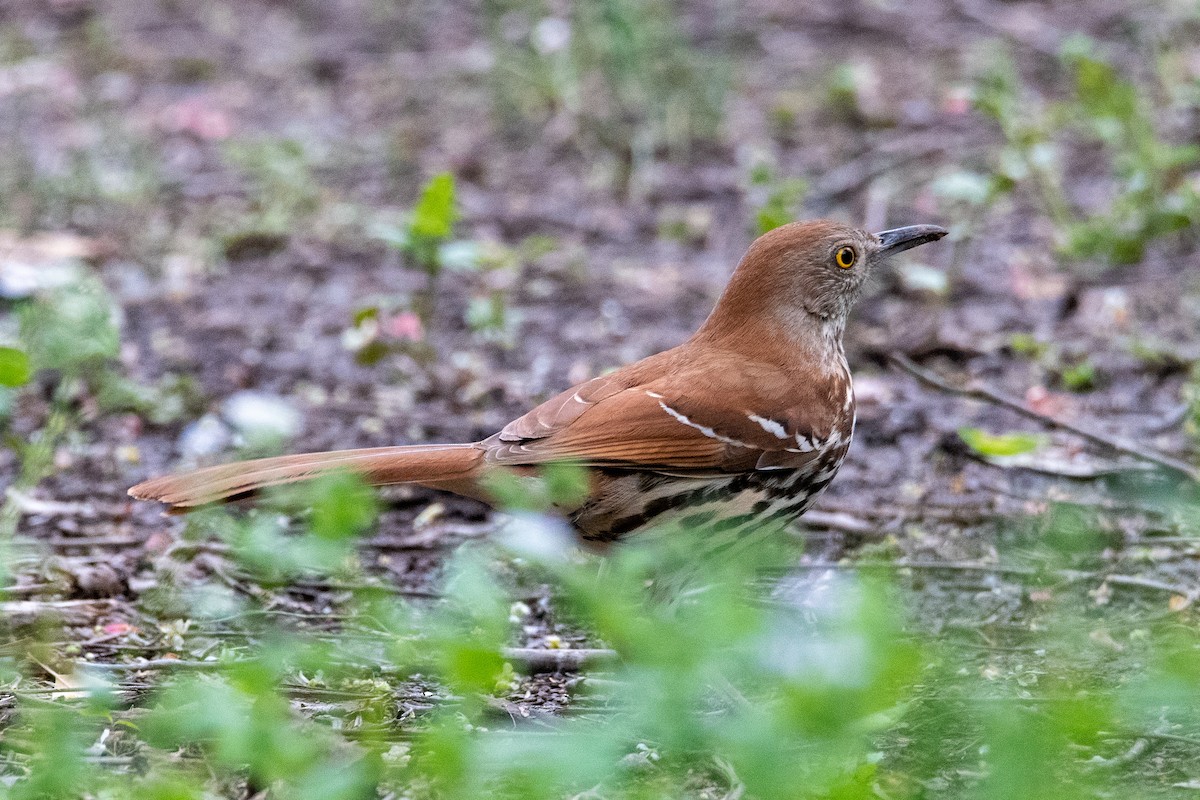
pixel 205 437
pixel 256 415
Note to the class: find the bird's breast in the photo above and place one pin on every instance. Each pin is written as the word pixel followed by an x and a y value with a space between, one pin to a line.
pixel 627 502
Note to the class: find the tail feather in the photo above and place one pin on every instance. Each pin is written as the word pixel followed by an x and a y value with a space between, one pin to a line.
pixel 453 466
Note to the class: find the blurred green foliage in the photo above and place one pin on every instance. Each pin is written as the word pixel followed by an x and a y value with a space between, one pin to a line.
pixel 431 223
pixel 1146 194
pixel 282 192
pixel 14 367
pixel 71 334
pixel 622 73
pixel 728 681
pixel 1191 396
pixel 777 200
pixel 1064 364
pixel 64 348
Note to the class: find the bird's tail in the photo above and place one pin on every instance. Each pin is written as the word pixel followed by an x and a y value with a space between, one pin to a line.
pixel 452 467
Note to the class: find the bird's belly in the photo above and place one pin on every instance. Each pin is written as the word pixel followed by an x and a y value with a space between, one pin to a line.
pixel 626 503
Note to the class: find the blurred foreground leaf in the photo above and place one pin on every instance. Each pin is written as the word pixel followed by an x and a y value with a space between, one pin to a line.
pixel 15 369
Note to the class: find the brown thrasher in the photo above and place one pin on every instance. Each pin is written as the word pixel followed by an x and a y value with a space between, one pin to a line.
pixel 742 424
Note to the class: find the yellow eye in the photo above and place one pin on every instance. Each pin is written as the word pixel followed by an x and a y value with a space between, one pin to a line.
pixel 845 257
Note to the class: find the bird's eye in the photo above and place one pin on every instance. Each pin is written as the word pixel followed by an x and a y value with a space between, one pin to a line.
pixel 845 257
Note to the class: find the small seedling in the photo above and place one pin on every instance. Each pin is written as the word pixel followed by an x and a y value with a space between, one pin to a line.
pixel 1080 377
pixel 424 238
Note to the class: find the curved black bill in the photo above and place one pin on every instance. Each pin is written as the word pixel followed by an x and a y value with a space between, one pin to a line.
pixel 897 240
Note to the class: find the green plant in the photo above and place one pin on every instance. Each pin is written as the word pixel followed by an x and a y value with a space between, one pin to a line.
pixel 1073 372
pixel 424 238
pixel 282 191
pixel 1079 377
pixel 15 371
pixel 1149 194
pixel 720 684
pixel 431 224
pixel 777 200
pixel 72 333
pixel 70 337
pixel 490 317
pixel 1029 346
pixel 621 71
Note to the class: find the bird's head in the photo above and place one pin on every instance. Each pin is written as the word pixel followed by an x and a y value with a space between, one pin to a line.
pixel 810 272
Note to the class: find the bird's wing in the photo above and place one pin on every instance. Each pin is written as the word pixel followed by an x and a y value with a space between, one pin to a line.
pixel 654 426
pixel 560 411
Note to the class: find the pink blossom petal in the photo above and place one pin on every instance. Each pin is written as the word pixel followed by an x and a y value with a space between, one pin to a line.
pixel 405 326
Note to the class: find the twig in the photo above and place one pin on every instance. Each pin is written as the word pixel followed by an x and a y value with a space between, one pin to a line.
pixel 1189 595
pixel 540 661
pixel 1132 754
pixel 961 513
pixel 534 660
pixel 94 541
pixel 1167 737
pixel 350 586
pixel 950 566
pixel 840 521
pixel 978 391
pixel 28 589
pixel 19 606
pixel 29 505
pixel 163 664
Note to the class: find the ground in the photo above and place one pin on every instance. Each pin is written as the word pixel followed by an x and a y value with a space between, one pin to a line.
pixel 241 266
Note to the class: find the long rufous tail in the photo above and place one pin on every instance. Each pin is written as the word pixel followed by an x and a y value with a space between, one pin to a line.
pixel 452 467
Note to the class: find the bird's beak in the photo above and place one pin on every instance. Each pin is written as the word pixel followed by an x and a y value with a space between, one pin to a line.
pixel 897 240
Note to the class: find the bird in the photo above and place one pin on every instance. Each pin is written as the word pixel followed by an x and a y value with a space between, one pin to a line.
pixel 743 424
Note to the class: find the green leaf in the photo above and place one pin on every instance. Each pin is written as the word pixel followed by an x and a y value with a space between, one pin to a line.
pixel 1004 444
pixel 567 484
pixel 435 213
pixel 15 369
pixel 74 330
pixel 1080 377
pixel 343 507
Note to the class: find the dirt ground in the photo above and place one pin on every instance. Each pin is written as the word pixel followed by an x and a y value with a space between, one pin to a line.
pixel 383 99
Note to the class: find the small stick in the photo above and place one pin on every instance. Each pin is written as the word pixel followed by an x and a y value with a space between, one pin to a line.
pixel 978 391
pixel 534 659
pixel 840 521
pixel 174 664
pixel 540 660
pixel 59 542
pixel 1190 594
